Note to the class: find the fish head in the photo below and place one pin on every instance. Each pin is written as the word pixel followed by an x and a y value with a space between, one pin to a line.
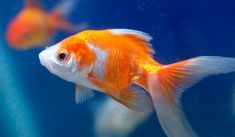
pixel 26 30
pixel 19 34
pixel 65 59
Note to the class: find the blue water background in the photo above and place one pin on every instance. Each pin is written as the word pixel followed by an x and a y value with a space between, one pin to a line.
pixel 181 29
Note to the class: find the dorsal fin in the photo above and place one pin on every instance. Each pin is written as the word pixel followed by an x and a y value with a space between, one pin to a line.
pixel 140 38
pixel 32 3
pixel 65 7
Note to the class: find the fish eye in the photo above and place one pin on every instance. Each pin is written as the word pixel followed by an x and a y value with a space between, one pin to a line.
pixel 63 56
pixel 26 35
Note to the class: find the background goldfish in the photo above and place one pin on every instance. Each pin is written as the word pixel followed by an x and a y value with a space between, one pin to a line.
pixel 33 26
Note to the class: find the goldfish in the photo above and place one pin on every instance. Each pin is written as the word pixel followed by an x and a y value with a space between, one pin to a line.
pixel 120 64
pixel 34 27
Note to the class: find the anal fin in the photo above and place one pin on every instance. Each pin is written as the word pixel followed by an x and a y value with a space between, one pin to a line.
pixel 136 98
pixel 133 98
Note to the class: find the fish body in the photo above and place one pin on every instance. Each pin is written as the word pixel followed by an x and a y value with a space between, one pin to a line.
pixel 33 26
pixel 119 63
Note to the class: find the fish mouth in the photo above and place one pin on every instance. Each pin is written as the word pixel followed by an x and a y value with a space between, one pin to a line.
pixel 44 60
pixel 47 58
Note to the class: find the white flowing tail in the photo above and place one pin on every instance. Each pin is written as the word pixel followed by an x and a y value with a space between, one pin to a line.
pixel 58 17
pixel 65 7
pixel 167 84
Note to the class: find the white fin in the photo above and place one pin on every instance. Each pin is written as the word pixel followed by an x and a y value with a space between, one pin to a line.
pixel 167 84
pixel 83 94
pixel 65 7
pixel 138 37
pixel 144 35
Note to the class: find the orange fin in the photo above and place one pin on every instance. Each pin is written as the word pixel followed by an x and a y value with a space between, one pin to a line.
pixel 57 17
pixel 69 27
pixel 137 95
pixel 167 84
pixel 82 94
pixel 32 3
pixel 141 39
pixel 58 22
pixel 138 100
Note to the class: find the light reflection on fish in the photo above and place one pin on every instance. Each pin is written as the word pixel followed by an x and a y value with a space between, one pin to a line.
pixel 119 63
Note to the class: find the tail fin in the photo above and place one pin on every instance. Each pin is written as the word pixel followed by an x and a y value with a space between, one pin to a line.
pixel 65 7
pixel 57 17
pixel 167 84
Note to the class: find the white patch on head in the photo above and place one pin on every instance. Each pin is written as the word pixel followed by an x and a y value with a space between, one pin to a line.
pixel 66 70
pixel 47 56
pixel 100 64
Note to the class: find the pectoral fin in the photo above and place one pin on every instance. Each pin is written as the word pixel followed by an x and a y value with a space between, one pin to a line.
pixel 138 100
pixel 82 94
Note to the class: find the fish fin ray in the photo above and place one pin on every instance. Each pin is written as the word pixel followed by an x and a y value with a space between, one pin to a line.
pixel 61 24
pixel 136 100
pixel 82 94
pixel 167 84
pixel 65 7
pixel 144 36
pixel 32 3
pixel 141 39
pixel 57 17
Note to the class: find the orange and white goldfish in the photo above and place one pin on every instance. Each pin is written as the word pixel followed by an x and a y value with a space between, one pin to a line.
pixel 33 26
pixel 119 63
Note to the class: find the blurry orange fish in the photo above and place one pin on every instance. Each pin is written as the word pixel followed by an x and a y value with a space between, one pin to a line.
pixel 119 63
pixel 34 27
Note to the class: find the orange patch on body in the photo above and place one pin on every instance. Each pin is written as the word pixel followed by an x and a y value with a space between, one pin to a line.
pixel 33 15
pixel 108 41
pixel 125 53
pixel 118 69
